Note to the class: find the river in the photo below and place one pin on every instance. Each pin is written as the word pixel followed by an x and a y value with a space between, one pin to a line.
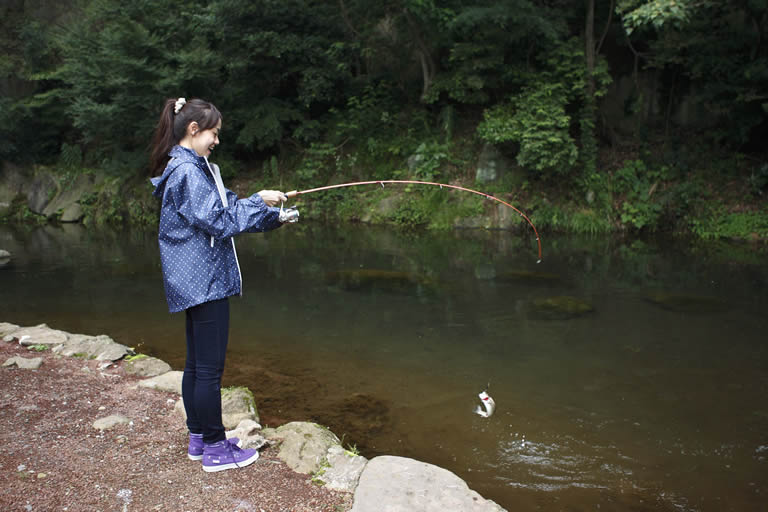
pixel 653 400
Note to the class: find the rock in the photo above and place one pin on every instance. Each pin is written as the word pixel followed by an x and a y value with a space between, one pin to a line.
pixel 249 433
pixel 399 484
pixel 5 257
pixel 32 363
pixel 110 421
pixel 529 277
pixel 146 366
pixel 343 471
pixel 491 164
pixel 40 191
pixel 66 201
pixel 686 303
pixel 72 213
pixel 101 348
pixel 169 381
pixel 7 329
pixel 561 306
pixel 40 335
pixel 237 404
pixel 304 446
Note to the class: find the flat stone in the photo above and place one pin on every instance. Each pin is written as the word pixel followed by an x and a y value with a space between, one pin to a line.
pixel 344 469
pixel 400 484
pixel 108 422
pixel 40 335
pixel 32 363
pixel 304 445
pixel 146 367
pixel 7 329
pixel 100 348
pixel 169 381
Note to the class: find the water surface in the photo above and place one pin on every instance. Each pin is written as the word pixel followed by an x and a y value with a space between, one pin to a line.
pixel 655 400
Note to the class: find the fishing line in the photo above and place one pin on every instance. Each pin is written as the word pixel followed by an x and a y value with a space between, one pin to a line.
pixel 295 193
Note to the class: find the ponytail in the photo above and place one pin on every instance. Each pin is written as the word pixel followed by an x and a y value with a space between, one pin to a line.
pixel 172 127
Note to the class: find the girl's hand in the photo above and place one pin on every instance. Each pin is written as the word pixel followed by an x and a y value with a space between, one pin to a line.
pixel 272 197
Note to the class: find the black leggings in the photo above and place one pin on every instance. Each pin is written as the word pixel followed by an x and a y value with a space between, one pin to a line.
pixel 207 336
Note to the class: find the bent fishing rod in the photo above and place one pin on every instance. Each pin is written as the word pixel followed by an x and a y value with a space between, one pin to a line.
pixel 296 193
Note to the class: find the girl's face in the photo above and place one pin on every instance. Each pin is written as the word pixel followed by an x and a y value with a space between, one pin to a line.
pixel 202 142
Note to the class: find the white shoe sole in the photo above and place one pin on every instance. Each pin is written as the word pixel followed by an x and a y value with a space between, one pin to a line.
pixel 232 465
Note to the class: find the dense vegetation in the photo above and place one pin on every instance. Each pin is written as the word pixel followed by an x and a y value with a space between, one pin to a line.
pixel 617 114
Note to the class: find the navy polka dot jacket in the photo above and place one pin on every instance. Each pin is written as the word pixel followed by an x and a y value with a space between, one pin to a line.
pixel 196 229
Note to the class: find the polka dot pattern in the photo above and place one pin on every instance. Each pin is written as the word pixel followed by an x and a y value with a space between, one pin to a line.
pixel 196 252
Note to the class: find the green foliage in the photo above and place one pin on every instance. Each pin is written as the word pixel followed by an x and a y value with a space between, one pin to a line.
pixel 718 222
pixel 656 13
pixel 637 187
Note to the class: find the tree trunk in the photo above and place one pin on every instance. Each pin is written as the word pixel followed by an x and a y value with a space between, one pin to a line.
pixel 589 46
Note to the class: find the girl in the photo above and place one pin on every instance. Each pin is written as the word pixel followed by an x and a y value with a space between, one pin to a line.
pixel 198 220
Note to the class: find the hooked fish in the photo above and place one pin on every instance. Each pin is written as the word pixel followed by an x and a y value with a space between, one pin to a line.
pixel 488 403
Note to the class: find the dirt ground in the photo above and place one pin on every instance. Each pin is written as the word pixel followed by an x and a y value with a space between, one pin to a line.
pixel 53 459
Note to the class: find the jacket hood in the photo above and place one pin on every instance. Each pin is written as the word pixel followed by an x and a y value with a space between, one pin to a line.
pixel 178 156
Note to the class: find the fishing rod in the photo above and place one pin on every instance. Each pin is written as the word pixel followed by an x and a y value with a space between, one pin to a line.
pixel 296 193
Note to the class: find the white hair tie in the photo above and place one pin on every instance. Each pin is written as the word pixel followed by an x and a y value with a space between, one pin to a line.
pixel 179 104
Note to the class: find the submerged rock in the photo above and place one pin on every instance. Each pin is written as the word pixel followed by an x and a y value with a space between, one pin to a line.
pixel 561 306
pixel 529 277
pixel 386 280
pixel 684 303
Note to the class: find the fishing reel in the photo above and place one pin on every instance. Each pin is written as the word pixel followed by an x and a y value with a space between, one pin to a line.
pixel 290 215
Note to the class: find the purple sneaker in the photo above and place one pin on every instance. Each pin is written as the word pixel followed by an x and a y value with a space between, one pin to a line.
pixel 195 450
pixel 223 455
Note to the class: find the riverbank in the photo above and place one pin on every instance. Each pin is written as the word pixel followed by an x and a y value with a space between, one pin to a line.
pixel 86 428
pixel 631 198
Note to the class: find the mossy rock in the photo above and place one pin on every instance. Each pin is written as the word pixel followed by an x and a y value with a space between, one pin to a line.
pixel 686 303
pixel 561 306
pixel 237 404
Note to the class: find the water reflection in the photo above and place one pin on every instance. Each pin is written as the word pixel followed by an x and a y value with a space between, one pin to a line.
pixel 652 399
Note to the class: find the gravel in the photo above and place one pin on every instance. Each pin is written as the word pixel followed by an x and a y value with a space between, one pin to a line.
pixel 52 458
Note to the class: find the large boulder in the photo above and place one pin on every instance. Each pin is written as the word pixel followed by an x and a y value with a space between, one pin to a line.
pixel 5 257
pixel 40 191
pixel 399 484
pixel 66 202
pixel 12 182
